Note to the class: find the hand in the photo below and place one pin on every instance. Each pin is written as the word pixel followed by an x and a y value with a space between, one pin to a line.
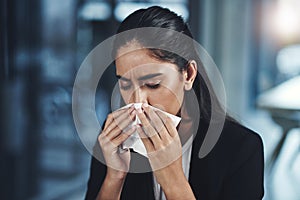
pixel 162 143
pixel 112 136
pixel 164 149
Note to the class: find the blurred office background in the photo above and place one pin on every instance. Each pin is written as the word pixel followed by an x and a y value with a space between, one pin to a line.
pixel 255 44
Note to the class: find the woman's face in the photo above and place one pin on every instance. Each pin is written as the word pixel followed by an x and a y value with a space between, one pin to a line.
pixel 143 79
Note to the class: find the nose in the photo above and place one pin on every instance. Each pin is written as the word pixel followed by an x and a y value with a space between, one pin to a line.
pixel 139 96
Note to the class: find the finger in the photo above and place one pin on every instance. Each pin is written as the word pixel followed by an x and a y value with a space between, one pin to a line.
pixel 110 119
pixel 149 131
pixel 114 133
pixel 147 142
pixel 118 116
pixel 121 127
pixel 123 136
pixel 156 122
pixel 171 129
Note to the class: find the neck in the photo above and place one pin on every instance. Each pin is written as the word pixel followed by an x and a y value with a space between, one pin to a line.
pixel 185 127
pixel 185 130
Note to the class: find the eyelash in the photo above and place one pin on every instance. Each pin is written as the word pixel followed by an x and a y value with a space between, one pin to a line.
pixel 151 86
pixel 154 86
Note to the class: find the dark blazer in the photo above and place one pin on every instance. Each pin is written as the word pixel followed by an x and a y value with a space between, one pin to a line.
pixel 233 170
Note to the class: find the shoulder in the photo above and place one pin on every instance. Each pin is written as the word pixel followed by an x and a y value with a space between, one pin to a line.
pixel 234 168
pixel 234 139
pixel 240 137
pixel 239 145
pixel 236 145
pixel 237 131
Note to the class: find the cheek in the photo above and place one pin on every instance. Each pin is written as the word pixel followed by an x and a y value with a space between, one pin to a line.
pixel 126 96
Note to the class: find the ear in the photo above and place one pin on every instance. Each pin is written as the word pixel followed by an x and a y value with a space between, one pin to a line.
pixel 190 74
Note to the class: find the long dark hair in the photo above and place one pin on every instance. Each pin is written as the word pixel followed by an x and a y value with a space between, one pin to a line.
pixel 159 17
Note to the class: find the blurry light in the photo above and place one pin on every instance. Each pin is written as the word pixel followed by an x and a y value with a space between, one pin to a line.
pixel 288 60
pixel 123 9
pixel 287 19
pixel 283 96
pixel 95 11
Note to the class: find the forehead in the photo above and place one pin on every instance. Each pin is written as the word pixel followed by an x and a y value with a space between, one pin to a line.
pixel 139 62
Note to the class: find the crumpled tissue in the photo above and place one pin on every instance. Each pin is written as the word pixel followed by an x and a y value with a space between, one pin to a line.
pixel 134 141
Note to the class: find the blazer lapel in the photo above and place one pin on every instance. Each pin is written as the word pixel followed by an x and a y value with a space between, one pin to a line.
pixel 195 175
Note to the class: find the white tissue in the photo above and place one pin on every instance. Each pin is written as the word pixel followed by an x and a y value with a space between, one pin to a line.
pixel 134 141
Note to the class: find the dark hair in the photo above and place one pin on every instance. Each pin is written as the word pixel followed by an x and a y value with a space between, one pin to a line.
pixel 159 17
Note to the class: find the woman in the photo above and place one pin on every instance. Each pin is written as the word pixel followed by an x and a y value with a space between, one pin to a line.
pixel 162 79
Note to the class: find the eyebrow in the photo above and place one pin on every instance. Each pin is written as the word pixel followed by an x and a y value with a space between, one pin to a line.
pixel 141 78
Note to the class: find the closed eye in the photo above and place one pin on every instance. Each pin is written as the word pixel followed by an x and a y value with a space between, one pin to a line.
pixel 153 86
